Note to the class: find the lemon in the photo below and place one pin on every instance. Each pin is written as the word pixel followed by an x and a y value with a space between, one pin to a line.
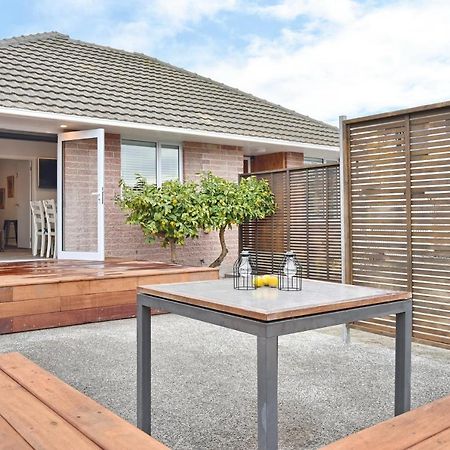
pixel 273 281
pixel 259 281
pixel 266 280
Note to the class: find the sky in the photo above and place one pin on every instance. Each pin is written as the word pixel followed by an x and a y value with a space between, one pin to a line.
pixel 322 58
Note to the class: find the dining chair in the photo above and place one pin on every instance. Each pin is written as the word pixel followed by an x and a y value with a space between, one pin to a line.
pixel 39 230
pixel 50 221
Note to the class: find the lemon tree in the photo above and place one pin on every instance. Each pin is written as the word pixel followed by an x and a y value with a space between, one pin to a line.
pixel 170 212
pixel 225 203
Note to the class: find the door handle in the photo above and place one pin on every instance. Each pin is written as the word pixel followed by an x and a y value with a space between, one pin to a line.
pixel 99 196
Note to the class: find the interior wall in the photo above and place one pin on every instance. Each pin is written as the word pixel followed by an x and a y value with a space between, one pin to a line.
pixel 16 207
pixel 15 157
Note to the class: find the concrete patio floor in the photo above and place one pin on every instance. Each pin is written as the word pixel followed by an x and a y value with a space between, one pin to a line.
pixel 204 393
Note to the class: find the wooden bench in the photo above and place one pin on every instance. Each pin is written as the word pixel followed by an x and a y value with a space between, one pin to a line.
pixel 39 411
pixel 424 428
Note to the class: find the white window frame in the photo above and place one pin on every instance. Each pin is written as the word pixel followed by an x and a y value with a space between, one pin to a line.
pixel 159 145
pixel 158 161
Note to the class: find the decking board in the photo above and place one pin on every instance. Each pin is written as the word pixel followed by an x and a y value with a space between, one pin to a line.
pixel 39 424
pixel 420 428
pixel 47 294
pixel 10 439
pixel 49 414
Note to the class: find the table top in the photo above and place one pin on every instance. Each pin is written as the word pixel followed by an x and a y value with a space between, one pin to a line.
pixel 268 304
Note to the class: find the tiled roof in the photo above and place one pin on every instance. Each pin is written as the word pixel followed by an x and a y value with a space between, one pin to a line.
pixel 53 73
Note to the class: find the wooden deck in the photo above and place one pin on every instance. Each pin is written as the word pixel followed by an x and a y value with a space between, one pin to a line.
pixel 39 411
pixel 424 428
pixel 46 294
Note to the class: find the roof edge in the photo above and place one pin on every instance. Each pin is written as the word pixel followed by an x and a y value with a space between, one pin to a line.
pixel 33 37
pixel 97 121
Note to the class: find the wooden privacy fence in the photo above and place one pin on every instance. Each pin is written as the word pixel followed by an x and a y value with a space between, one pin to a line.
pixel 307 221
pixel 397 212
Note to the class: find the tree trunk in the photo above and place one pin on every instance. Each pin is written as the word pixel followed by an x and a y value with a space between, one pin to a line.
pixel 172 251
pixel 224 252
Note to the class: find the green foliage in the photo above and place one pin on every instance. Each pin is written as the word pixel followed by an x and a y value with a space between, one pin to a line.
pixel 169 212
pixel 225 203
pixel 177 211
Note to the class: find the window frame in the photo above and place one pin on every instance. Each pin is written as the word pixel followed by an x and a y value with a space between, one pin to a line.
pixel 158 145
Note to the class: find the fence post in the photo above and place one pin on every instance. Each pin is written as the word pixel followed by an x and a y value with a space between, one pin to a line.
pixel 344 215
pixel 344 174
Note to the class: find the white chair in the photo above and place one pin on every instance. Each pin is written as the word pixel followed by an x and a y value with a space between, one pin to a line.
pixel 39 230
pixel 50 220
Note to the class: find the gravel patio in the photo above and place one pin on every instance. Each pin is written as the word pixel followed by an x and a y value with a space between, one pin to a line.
pixel 204 393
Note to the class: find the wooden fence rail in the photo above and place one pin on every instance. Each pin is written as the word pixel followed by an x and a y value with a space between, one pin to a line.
pixel 397 212
pixel 307 221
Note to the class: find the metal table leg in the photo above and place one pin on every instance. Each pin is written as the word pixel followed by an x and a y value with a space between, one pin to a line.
pixel 144 398
pixel 403 361
pixel 267 393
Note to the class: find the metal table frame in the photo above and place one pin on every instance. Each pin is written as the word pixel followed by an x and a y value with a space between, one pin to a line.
pixel 267 352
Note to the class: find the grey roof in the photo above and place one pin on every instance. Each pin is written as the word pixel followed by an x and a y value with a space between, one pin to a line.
pixel 53 73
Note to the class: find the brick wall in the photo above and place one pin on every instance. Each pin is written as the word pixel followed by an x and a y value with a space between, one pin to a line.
pixel 223 160
pixel 127 241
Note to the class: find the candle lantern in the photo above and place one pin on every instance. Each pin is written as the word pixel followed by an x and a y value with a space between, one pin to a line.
pixel 290 273
pixel 244 272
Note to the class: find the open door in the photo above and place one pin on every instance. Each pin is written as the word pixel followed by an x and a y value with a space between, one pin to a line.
pixel 80 219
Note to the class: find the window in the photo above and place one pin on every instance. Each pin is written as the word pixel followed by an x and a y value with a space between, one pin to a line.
pixel 170 162
pixel 154 161
pixel 138 158
pixel 311 161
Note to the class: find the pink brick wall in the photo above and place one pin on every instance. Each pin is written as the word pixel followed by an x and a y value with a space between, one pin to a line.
pixel 126 241
pixel 223 160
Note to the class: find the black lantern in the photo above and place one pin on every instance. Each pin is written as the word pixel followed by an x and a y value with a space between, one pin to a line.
pixel 290 273
pixel 244 272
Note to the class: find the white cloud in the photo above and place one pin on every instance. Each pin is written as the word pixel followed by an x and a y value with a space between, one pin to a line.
pixel 68 10
pixel 339 11
pixel 386 57
pixel 329 57
pixel 158 20
pixel 132 36
pixel 188 11
pixel 141 26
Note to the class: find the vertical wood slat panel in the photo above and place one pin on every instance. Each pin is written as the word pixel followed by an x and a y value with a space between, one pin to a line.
pixel 399 203
pixel 307 221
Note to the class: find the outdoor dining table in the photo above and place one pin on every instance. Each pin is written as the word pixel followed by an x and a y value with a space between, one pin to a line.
pixel 268 313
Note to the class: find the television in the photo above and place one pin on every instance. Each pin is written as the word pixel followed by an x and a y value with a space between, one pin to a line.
pixel 47 173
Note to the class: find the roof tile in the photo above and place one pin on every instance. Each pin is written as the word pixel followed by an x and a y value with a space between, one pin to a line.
pixel 53 73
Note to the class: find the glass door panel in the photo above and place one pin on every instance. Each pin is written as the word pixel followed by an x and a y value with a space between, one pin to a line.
pixel 80 195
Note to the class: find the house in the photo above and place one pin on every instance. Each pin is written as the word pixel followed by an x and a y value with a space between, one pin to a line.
pixel 106 114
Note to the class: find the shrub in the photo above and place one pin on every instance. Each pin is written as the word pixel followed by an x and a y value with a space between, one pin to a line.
pixel 170 212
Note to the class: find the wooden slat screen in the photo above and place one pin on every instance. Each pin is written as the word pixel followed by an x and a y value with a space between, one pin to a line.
pixel 398 201
pixel 307 221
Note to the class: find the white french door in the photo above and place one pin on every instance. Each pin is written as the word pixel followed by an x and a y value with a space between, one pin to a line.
pixel 80 220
